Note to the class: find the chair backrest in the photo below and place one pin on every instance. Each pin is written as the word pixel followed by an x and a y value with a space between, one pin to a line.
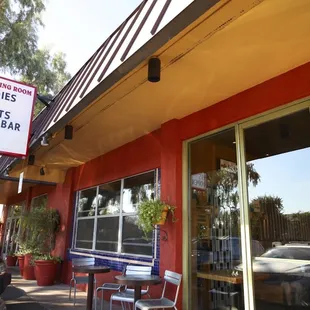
pixel 89 261
pixel 138 270
pixel 175 279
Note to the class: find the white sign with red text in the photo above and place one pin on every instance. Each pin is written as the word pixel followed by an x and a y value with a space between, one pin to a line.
pixel 16 111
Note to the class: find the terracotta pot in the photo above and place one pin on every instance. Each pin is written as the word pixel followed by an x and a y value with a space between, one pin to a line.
pixel 28 273
pixel 21 260
pixel 163 216
pixel 11 260
pixel 58 272
pixel 45 272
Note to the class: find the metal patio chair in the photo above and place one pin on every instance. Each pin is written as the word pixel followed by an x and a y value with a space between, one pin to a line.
pixel 127 295
pixel 163 302
pixel 80 279
pixel 108 287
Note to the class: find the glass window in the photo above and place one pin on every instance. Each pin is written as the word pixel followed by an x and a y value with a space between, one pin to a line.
pixel 39 201
pixel 87 202
pixel 107 234
pixel 109 198
pixel 12 228
pixel 136 189
pixel 84 237
pixel 279 150
pixel 134 240
pixel 110 209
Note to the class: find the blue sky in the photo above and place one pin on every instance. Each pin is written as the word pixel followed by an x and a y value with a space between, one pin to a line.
pixel 79 27
pixel 286 176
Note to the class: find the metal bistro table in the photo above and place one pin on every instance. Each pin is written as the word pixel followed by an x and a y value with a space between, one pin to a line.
pixel 137 282
pixel 91 270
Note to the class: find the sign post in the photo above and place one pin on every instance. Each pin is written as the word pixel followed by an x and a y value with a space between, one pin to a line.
pixel 16 112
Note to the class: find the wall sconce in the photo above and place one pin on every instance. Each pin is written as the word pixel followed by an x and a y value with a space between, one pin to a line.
pixel 154 70
pixel 7 170
pixel 42 172
pixel 45 138
pixel 68 132
pixel 31 160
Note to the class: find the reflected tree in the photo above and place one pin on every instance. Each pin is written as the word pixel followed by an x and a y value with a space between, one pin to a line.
pixel 270 206
pixel 226 182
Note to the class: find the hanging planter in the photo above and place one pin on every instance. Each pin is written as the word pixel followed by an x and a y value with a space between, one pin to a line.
pixel 153 212
pixel 164 214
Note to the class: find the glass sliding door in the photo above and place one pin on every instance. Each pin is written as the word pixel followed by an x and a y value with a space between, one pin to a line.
pixel 279 206
pixel 214 223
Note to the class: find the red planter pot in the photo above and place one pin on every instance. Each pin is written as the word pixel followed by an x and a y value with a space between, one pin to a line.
pixel 21 260
pixel 11 260
pixel 45 272
pixel 28 273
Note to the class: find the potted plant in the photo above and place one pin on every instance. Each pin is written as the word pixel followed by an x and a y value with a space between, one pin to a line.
pixel 21 259
pixel 153 212
pixel 39 227
pixel 21 254
pixel 45 226
pixel 45 269
pixel 11 259
pixel 27 246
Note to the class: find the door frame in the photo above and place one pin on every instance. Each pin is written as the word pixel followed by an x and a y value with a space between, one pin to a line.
pixel 240 126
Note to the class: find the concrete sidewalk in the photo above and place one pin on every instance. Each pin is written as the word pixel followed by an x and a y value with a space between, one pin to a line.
pixel 22 294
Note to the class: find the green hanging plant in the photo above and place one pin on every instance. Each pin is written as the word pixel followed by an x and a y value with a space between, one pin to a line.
pixel 153 212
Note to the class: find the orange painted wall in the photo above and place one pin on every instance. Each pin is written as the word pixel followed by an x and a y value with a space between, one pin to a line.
pixel 132 158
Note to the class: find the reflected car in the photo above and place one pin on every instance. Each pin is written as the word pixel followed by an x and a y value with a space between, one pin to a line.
pixel 287 271
pixel 205 255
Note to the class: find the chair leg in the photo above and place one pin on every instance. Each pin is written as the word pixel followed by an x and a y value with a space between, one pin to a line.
pixel 101 304
pixel 70 291
pixel 74 294
pixel 95 301
pixel 111 300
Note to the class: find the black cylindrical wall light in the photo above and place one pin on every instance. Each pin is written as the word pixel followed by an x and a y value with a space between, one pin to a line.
pixel 68 132
pixel 31 160
pixel 154 70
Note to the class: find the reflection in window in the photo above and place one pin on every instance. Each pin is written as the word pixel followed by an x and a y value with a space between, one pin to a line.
pixel 134 240
pixel 280 210
pixel 87 202
pixel 214 222
pixel 109 198
pixel 107 234
pixel 84 236
pixel 137 189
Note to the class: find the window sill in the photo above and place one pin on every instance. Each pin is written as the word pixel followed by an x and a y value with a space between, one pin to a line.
pixel 116 257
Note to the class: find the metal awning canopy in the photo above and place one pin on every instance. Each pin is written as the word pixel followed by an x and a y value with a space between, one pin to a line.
pixel 231 47
pixel 9 186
